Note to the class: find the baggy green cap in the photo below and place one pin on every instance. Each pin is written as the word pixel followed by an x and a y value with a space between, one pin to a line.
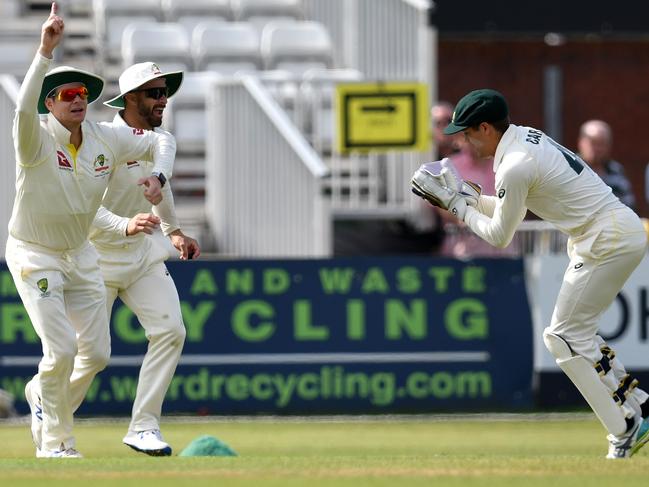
pixel 476 107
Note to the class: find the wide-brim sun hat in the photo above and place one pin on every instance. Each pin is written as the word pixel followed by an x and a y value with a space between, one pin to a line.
pixel 66 74
pixel 137 75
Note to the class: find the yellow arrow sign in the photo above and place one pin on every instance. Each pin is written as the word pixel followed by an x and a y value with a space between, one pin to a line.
pixel 382 117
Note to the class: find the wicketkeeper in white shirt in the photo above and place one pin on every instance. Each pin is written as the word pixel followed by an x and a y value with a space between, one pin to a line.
pixel 606 243
pixel 132 263
pixel 63 166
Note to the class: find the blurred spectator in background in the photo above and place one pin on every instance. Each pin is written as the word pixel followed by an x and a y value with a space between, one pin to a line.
pixel 471 167
pixel 441 115
pixel 430 217
pixel 595 144
pixel 458 241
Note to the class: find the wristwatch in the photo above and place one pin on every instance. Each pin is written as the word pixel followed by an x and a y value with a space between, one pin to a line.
pixel 161 177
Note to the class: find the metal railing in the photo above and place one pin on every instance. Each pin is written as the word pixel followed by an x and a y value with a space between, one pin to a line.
pixel 8 97
pixel 385 39
pixel 532 237
pixel 372 185
pixel 263 179
pixel 537 237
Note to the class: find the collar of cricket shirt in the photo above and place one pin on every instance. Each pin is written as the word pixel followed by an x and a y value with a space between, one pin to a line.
pixel 505 142
pixel 60 133
pixel 119 120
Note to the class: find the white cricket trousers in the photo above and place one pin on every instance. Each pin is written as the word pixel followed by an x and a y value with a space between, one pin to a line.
pixel 601 260
pixel 137 275
pixel 64 295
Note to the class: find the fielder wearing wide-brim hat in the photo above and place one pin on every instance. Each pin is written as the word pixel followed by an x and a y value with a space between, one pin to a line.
pixel 137 75
pixel 67 74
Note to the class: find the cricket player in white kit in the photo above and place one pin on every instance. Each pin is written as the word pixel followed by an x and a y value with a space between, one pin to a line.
pixel 606 243
pixel 132 263
pixel 63 166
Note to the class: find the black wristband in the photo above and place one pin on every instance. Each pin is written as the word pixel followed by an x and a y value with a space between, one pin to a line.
pixel 161 177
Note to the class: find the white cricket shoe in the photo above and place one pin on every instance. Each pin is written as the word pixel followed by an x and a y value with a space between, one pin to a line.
pixel 34 401
pixel 149 442
pixel 62 453
pixel 629 444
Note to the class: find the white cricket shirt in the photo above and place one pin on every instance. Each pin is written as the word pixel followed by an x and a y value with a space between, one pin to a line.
pixel 536 173
pixel 58 188
pixel 124 199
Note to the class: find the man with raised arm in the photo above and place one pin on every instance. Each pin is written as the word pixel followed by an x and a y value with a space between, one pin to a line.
pixel 63 165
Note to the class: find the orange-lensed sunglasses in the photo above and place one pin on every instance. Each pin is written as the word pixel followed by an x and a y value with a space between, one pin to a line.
pixel 69 94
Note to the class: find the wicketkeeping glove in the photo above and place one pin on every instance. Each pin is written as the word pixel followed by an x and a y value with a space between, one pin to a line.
pixel 436 182
pixel 452 179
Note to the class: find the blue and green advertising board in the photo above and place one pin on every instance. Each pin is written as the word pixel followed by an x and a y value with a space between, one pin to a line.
pixel 362 335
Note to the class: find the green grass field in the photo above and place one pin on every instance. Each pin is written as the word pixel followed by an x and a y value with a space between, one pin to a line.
pixel 458 451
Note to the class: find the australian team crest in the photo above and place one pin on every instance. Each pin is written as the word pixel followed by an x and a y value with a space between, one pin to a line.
pixel 43 286
pixel 100 161
pixel 101 167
